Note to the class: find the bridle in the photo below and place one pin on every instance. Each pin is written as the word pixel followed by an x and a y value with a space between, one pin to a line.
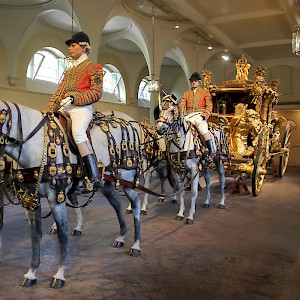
pixel 5 121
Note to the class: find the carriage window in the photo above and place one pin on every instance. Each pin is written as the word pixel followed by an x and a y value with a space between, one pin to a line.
pixel 113 85
pixel 47 64
pixel 143 93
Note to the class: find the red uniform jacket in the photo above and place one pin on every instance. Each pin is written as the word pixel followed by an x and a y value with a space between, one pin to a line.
pixel 84 82
pixel 198 102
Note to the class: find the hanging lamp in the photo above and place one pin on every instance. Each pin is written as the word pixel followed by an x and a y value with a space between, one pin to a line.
pixel 153 84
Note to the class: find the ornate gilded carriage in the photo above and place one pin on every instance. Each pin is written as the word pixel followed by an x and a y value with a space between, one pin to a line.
pixel 255 133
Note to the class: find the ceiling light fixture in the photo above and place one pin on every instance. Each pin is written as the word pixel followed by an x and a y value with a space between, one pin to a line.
pixel 209 47
pixel 296 40
pixel 225 57
pixel 176 26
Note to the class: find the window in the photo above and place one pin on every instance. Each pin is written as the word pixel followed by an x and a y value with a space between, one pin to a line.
pixel 47 64
pixel 113 85
pixel 143 90
pixel 143 93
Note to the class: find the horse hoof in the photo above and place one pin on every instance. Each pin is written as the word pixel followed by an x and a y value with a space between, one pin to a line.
pixel 135 252
pixel 179 218
pixel 117 244
pixel 161 199
pixel 52 231
pixel 28 282
pixel 76 232
pixel 206 205
pixel 221 206
pixel 189 222
pixel 143 212
pixel 57 283
pixel 128 211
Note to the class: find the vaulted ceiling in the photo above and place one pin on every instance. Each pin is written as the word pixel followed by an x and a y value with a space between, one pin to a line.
pixel 259 29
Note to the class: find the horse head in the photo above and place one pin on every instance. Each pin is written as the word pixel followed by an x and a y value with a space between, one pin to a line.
pixel 169 114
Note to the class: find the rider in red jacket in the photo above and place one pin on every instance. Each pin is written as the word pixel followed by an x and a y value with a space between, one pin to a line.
pixel 196 105
pixel 81 86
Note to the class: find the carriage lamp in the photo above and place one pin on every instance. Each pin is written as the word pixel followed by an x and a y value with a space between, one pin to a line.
pixel 296 40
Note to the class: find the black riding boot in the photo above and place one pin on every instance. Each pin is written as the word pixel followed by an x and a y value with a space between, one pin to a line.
pixel 92 171
pixel 211 150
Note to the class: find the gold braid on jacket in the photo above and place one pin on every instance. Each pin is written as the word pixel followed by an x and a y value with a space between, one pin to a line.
pixel 83 82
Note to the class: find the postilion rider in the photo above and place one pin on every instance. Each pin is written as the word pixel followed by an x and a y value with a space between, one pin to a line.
pixel 196 106
pixel 81 86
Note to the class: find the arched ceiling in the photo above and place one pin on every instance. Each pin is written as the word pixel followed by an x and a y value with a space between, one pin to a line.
pixel 259 29
pixel 24 3
pixel 58 19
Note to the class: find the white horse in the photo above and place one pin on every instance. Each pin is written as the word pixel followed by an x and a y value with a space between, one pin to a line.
pixel 186 155
pixel 153 157
pixel 157 162
pixel 27 137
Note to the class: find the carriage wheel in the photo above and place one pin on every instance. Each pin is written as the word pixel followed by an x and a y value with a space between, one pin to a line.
pixel 259 171
pixel 284 157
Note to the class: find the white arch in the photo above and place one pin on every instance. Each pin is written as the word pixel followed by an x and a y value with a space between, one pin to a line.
pixel 129 30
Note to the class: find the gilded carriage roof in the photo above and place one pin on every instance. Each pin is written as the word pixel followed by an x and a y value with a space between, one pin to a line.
pixel 263 95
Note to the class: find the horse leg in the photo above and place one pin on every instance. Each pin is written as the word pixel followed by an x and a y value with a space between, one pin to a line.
pixel 174 197
pixel 79 216
pixel 129 209
pixel 172 183
pixel 147 181
pixel 136 208
pixel 180 214
pixel 206 176
pixel 59 212
pixel 144 204
pixel 35 228
pixel 147 176
pixel 109 192
pixel 53 229
pixel 130 175
pixel 161 174
pixel 221 171
pixel 72 196
pixel 194 194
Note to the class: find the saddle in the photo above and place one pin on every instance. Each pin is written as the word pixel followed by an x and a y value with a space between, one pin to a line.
pixel 66 122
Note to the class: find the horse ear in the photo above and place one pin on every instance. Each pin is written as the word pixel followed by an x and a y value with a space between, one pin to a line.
pixel 174 99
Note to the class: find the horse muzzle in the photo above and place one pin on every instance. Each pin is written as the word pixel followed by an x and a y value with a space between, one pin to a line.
pixel 161 128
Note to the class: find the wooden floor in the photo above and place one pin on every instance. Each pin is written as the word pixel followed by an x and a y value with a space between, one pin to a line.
pixel 249 251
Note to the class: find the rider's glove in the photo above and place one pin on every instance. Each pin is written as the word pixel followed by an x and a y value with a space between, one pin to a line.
pixel 66 102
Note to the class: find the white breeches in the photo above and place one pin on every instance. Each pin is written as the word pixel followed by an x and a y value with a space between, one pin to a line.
pixel 197 120
pixel 81 117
